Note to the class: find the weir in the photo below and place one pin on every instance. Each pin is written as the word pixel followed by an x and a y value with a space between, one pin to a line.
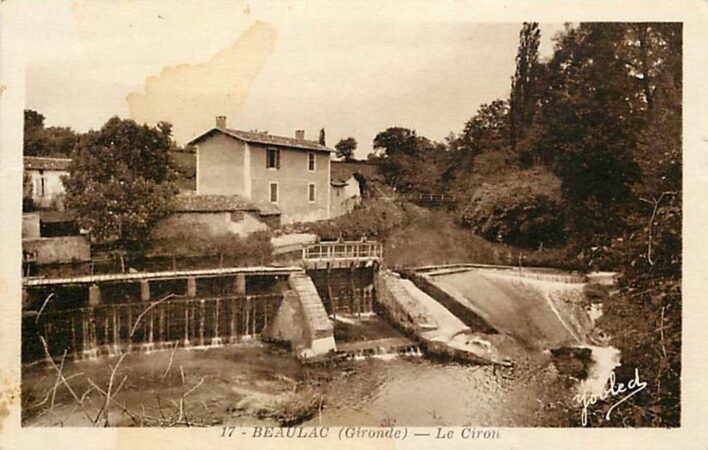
pixel 111 314
pixel 330 306
pixel 119 328
pixel 541 308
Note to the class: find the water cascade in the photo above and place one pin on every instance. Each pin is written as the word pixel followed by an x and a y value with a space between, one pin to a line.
pixel 114 329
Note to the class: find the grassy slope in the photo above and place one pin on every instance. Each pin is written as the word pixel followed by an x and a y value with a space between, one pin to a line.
pixel 431 236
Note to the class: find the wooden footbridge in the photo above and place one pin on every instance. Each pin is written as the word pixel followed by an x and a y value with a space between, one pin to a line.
pixel 341 254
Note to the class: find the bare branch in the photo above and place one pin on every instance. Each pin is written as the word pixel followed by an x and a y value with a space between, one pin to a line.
pixel 152 305
pixel 656 203
pixel 61 376
pixel 195 387
pixel 172 354
pixel 46 300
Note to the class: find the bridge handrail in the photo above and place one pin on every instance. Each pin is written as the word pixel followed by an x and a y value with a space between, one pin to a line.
pixel 343 250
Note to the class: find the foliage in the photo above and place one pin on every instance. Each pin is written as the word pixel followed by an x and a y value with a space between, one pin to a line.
pixel 644 319
pixel 184 163
pixel 485 136
pixel 522 100
pixel 322 139
pixel 524 209
pixel 588 126
pixel 49 142
pixel 410 162
pixel 345 148
pixel 196 240
pixel 119 183
pixel 487 130
pixel 374 219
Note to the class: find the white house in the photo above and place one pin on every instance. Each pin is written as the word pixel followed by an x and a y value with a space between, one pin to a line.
pixel 45 175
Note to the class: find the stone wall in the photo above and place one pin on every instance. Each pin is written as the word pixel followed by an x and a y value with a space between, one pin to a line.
pixel 58 250
pixel 241 223
pixel 30 225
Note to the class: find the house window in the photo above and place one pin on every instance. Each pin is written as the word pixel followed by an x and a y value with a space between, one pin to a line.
pixel 274 192
pixel 311 161
pixel 311 192
pixel 272 158
pixel 41 186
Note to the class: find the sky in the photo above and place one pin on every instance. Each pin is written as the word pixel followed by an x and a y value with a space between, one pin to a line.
pixel 353 68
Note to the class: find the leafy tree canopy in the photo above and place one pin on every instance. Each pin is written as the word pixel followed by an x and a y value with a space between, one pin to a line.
pixel 345 148
pixel 120 180
pixel 50 141
pixel 410 162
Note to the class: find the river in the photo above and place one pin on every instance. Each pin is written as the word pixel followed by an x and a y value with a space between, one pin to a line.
pixel 255 384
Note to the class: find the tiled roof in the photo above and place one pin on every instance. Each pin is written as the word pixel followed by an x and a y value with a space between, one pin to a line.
pixel 219 203
pixel 40 163
pixel 267 209
pixel 210 203
pixel 264 139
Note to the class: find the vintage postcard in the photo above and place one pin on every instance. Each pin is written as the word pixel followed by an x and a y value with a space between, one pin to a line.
pixel 370 224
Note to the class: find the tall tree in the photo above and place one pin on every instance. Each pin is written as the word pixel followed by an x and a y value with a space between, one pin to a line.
pixel 521 102
pixel 120 180
pixel 345 148
pixel 589 125
pixel 322 137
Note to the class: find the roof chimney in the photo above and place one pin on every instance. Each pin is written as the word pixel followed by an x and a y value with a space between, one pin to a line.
pixel 220 121
pixel 300 134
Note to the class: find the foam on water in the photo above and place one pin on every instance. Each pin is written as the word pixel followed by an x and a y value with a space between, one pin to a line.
pixel 604 359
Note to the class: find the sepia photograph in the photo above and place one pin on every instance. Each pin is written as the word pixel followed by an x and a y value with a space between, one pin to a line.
pixel 289 218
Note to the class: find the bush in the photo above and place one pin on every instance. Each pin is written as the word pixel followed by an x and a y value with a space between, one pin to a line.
pixel 196 240
pixel 524 209
pixel 374 219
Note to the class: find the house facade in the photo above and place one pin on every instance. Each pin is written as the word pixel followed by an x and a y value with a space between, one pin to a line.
pixel 346 191
pixel 290 174
pixel 45 177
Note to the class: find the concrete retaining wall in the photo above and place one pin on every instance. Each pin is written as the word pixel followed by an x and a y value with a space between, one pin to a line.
pixel 430 322
pixel 455 304
pixel 58 250
pixel 30 225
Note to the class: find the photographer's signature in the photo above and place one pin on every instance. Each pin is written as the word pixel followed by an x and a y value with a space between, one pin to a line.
pixel 615 389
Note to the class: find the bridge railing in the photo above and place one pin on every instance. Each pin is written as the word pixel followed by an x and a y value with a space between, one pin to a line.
pixel 343 250
pixel 425 198
pixel 432 198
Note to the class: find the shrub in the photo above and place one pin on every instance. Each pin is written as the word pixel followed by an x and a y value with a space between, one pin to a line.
pixel 524 209
pixel 374 219
pixel 197 240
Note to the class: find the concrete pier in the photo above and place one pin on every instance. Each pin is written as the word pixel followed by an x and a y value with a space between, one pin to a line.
pixel 191 287
pixel 240 283
pixel 145 290
pixel 94 292
pixel 302 320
